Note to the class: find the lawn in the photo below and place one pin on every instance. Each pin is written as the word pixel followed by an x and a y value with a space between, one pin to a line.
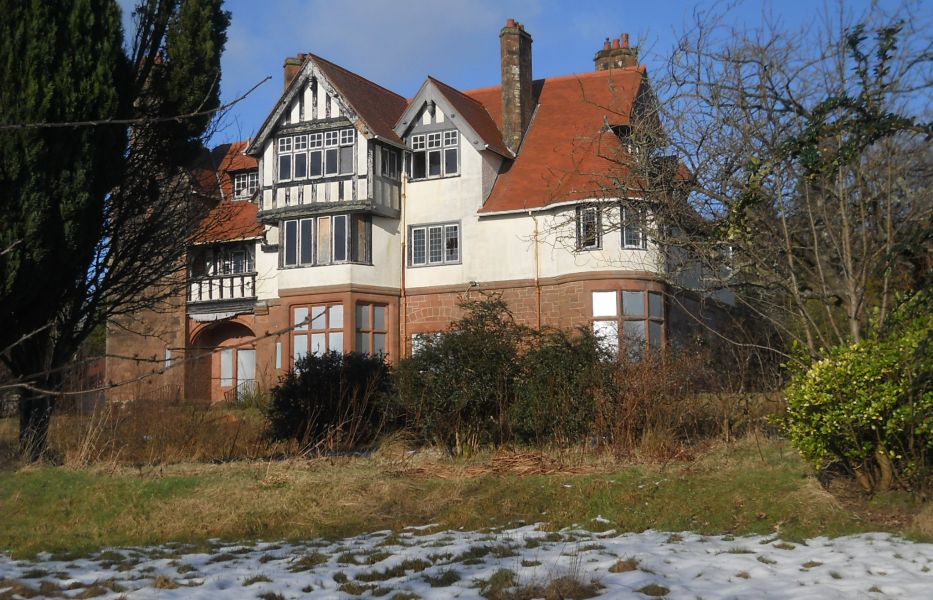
pixel 757 485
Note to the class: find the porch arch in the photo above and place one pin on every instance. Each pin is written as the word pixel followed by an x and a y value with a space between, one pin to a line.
pixel 223 357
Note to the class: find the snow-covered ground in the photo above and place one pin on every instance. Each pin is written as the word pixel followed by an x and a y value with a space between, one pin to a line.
pixel 421 562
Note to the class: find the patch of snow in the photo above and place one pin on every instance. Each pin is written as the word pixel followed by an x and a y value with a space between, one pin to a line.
pixel 687 565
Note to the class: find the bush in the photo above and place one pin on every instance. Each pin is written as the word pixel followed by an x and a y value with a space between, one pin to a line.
pixel 458 388
pixel 555 394
pixel 869 406
pixel 334 400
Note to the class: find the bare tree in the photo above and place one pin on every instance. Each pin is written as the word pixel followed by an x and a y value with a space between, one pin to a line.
pixel 791 168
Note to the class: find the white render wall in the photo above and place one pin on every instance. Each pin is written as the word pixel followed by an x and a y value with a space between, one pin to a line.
pixel 384 272
pixel 502 247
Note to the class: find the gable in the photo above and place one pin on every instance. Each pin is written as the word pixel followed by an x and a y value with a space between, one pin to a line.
pixel 455 109
pixel 323 90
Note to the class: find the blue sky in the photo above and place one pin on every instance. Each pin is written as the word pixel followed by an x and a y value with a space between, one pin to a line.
pixel 397 43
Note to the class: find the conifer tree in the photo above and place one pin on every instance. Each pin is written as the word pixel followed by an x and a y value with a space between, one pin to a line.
pixel 90 156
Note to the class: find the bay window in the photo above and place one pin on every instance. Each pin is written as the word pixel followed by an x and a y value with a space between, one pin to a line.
pixel 326 240
pixel 318 154
pixel 316 328
pixel 632 321
pixel 371 328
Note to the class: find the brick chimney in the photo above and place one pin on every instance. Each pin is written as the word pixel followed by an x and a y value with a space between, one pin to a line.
pixel 292 67
pixel 616 54
pixel 515 46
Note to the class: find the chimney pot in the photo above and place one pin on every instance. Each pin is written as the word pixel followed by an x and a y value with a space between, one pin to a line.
pixel 510 23
pixel 606 44
pixel 615 43
pixel 625 40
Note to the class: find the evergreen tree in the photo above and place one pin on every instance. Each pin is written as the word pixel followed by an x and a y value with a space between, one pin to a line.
pixel 90 216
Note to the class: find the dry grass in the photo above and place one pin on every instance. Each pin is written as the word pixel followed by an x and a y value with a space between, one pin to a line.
pixel 143 433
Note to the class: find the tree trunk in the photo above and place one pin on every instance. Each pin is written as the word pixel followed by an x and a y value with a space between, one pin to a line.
pixel 35 411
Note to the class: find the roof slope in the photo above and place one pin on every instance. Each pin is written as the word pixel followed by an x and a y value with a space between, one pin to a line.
pixel 566 153
pixel 378 107
pixel 227 220
pixel 476 114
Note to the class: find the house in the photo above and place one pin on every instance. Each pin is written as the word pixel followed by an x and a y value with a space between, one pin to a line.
pixel 356 219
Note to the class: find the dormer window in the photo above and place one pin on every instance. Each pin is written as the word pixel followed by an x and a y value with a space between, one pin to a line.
pixel 245 184
pixel 435 154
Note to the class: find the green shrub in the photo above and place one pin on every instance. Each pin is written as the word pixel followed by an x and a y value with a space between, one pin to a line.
pixel 869 406
pixel 457 389
pixel 555 395
pixel 333 400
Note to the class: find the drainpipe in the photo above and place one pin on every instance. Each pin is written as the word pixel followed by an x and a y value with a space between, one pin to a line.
pixel 403 305
pixel 537 268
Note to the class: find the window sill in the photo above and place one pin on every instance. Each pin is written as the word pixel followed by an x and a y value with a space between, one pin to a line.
pixel 442 264
pixel 435 178
pixel 331 264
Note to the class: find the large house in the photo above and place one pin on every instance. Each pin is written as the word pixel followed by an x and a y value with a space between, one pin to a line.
pixel 356 220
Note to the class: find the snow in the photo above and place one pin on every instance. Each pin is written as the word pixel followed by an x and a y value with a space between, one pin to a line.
pixel 687 565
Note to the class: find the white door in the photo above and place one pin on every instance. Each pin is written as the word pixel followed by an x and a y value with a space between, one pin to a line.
pixel 245 366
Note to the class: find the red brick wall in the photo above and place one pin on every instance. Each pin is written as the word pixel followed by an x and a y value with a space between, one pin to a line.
pixel 563 304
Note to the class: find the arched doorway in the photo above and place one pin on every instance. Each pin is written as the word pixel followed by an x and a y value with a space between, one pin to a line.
pixel 223 363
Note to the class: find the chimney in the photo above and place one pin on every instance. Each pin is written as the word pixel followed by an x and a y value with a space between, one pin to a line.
pixel 616 54
pixel 515 46
pixel 292 66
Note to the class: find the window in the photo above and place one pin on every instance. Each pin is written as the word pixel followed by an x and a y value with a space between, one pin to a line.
pixel 434 244
pixel 245 184
pixel 629 320
pixel 371 328
pixel 435 154
pixel 389 163
pixel 633 228
pixel 326 240
pixel 316 154
pixel 588 228
pixel 316 329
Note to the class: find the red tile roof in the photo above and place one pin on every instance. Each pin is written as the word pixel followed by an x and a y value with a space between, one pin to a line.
pixel 379 108
pixel 228 220
pixel 566 154
pixel 476 114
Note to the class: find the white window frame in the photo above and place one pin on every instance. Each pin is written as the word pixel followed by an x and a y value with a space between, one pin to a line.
pixel 245 184
pixel 582 212
pixel 443 230
pixel 320 143
pixel 641 243
pixel 438 143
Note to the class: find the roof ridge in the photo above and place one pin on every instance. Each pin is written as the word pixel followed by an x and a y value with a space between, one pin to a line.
pixel 641 69
pixel 357 75
pixel 472 99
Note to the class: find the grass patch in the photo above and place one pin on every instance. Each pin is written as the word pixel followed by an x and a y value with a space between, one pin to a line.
pixel 443 579
pixel 256 579
pixel 653 589
pixel 624 566
pixel 79 511
pixel 412 564
pixel 308 562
